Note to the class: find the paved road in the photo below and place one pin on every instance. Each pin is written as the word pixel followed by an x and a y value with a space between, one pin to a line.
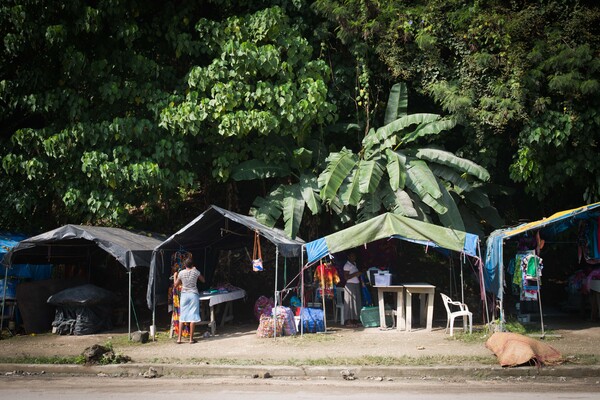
pixel 90 388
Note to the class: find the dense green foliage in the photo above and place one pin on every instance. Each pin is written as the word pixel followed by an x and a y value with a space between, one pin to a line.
pixel 120 112
pixel 521 76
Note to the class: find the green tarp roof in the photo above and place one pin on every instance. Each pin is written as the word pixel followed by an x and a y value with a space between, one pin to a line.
pixel 392 225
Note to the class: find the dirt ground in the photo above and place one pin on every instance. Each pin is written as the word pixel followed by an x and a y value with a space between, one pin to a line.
pixel 570 335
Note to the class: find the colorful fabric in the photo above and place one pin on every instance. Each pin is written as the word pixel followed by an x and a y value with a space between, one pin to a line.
pixel 531 272
pixel 263 306
pixel 269 326
pixel 327 277
pixel 287 316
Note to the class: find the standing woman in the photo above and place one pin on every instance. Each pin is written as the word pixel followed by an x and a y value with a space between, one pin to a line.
pixel 190 297
pixel 352 299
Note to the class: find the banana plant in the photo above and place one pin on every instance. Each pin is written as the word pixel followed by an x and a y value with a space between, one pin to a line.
pixel 288 200
pixel 389 173
pixel 392 173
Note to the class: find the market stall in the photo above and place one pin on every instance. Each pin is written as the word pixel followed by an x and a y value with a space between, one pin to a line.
pixel 212 231
pixel 392 226
pixel 531 237
pixel 83 246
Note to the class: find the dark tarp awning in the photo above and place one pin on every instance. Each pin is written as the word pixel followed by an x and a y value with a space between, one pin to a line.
pixel 72 243
pixel 215 228
pixel 69 241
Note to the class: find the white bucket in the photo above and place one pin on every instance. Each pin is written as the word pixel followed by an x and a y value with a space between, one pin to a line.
pixel 152 330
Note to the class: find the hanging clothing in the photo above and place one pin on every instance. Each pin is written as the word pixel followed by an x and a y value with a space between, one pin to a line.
pixel 515 266
pixel 326 276
pixel 531 273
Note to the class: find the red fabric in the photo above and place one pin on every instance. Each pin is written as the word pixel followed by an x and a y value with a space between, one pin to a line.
pixel 327 277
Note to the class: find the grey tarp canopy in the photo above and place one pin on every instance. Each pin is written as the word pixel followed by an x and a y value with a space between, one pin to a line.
pixel 67 242
pixel 216 228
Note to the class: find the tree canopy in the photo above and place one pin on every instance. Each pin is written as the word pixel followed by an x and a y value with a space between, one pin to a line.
pixel 122 112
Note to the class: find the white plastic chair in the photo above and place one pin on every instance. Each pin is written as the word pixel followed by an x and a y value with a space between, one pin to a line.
pixel 462 312
pixel 339 304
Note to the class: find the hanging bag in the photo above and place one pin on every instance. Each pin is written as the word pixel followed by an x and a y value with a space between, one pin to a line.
pixel 257 264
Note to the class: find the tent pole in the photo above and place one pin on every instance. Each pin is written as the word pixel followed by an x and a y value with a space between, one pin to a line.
pixel 482 283
pixel 276 295
pixel 501 317
pixel 154 304
pixel 130 305
pixel 301 289
pixel 4 297
pixel 462 282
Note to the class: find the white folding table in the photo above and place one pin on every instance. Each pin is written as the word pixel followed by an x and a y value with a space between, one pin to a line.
pixel 424 290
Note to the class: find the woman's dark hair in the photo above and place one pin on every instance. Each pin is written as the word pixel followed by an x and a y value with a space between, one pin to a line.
pixel 188 262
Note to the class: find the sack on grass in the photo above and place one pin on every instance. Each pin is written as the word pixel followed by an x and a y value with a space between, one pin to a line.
pixel 269 326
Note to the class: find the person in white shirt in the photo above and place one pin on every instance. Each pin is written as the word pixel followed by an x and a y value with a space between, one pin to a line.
pixel 352 291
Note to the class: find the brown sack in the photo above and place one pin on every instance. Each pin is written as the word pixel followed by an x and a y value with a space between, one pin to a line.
pixel 515 349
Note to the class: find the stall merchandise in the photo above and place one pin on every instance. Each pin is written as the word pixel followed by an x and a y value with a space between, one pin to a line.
pixel 530 238
pixel 76 243
pixel 388 226
pixel 214 230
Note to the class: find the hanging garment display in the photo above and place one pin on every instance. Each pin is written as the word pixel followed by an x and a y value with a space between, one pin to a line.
pixel 531 272
pixel 514 269
pixel 326 276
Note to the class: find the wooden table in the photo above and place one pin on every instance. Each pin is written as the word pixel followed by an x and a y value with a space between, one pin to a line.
pixel 399 290
pixel 423 290
pixel 216 299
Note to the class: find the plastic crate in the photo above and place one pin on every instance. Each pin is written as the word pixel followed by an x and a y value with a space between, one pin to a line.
pixel 369 317
pixel 383 279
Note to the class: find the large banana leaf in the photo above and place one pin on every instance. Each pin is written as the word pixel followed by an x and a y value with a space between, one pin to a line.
pixel 309 188
pixel 420 176
pixel 370 173
pixel 257 169
pixel 478 197
pixel 338 167
pixel 397 104
pixel 450 160
pixel 421 180
pixel 268 211
pixel 387 131
pixel 398 202
pixel 369 207
pixel 451 176
pixel 371 144
pixel 396 169
pixel 451 218
pixel 472 223
pixel 428 128
pixel 422 209
pixel 293 208
pixel 349 191
pixel 302 158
